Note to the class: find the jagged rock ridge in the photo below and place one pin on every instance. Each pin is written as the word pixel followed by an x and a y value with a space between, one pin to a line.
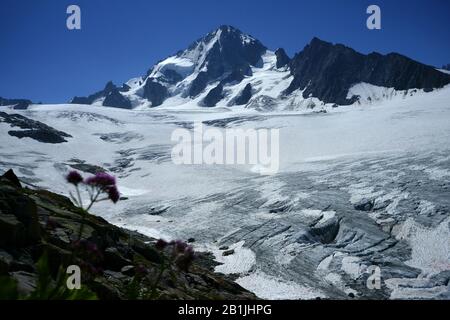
pixel 226 56
pixel 327 72
pixel 17 104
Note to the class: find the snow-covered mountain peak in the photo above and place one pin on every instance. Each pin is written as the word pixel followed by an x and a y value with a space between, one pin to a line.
pixel 227 67
pixel 226 31
pixel 221 57
pixel 225 44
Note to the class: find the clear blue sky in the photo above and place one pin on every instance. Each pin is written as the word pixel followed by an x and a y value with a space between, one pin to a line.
pixel 41 60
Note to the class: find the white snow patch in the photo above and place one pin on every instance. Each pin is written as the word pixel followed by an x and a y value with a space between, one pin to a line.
pixel 430 247
pixel 242 260
pixel 414 289
pixel 268 287
pixel 352 266
pixel 369 94
pixel 438 173
pixel 129 192
pixel 311 213
pixel 426 207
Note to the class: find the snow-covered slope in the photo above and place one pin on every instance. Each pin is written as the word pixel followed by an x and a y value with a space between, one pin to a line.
pixel 266 80
pixel 359 186
pixel 376 173
pixel 366 93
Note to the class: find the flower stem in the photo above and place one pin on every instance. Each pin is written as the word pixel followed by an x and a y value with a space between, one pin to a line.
pixel 85 211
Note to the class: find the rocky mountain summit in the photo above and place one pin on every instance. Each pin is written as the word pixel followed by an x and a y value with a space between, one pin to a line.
pixel 328 71
pixel 34 222
pixel 111 95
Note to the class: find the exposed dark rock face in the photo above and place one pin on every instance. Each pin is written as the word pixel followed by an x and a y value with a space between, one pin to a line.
pixel 446 67
pixel 237 75
pixel 231 52
pixel 244 96
pixel 19 224
pixel 155 92
pixel 213 96
pixel 33 129
pixel 81 100
pixel 117 100
pixel 125 88
pixel 327 71
pixel 282 58
pixel 234 53
pixel 112 95
pixel 18 104
pixel 36 221
pixel 171 76
pixel 91 98
pixel 199 84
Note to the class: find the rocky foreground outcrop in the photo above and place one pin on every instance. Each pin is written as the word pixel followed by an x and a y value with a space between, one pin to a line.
pixel 115 263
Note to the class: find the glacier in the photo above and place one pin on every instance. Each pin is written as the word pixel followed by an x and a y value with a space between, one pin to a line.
pixel 358 186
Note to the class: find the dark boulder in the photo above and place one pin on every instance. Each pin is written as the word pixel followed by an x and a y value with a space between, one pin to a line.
pixel 19 225
pixel 128 270
pixel 146 251
pixel 114 260
pixel 327 230
pixel 10 177
pixel 228 253
pixel 365 205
